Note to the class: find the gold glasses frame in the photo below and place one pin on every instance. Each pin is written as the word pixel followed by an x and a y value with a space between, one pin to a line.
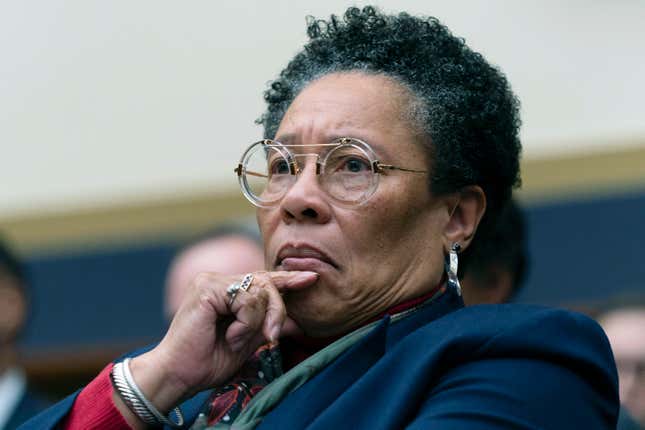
pixel 376 166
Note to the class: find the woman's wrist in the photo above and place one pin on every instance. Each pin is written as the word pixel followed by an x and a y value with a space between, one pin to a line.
pixel 158 383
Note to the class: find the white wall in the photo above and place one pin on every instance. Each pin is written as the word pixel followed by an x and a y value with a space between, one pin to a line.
pixel 104 102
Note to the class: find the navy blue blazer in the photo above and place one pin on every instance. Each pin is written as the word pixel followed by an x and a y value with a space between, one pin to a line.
pixel 450 367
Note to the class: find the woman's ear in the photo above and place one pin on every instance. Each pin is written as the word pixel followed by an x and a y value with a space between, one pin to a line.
pixel 468 210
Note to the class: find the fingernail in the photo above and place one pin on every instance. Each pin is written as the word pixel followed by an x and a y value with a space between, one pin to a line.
pixel 306 275
pixel 274 333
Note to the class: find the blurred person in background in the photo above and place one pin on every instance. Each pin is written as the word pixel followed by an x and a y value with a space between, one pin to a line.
pixel 17 402
pixel 625 328
pixel 228 249
pixel 499 262
pixel 389 144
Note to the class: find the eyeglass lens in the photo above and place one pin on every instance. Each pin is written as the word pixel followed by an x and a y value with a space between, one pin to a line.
pixel 346 172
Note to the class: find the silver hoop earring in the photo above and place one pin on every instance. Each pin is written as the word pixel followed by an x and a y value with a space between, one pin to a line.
pixel 452 266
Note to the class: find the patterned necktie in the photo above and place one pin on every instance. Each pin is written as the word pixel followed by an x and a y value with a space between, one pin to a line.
pixel 227 402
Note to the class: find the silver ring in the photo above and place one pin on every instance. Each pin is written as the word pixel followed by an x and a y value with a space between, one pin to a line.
pixel 233 289
pixel 231 292
pixel 246 281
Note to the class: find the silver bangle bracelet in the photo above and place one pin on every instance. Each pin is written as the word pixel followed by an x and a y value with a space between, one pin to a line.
pixel 127 395
pixel 133 397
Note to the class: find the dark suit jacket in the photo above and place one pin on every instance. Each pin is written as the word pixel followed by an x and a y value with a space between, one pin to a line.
pixel 449 367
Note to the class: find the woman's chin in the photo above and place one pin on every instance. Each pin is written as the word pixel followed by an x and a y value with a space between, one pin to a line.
pixel 314 320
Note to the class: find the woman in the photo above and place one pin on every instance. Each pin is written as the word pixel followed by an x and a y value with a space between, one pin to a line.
pixel 391 144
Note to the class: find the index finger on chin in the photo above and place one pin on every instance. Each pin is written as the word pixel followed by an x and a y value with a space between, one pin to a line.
pixel 284 280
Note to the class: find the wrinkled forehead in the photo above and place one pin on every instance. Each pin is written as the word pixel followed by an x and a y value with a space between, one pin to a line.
pixel 366 107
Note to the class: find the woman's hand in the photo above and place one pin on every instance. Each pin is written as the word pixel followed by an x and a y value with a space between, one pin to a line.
pixel 208 340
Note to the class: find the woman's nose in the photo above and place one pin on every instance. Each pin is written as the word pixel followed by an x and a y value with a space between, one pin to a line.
pixel 306 200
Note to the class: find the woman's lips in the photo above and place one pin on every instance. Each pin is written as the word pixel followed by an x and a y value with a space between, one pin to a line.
pixel 303 257
pixel 305 263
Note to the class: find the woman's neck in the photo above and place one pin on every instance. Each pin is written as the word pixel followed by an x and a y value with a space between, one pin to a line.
pixel 296 349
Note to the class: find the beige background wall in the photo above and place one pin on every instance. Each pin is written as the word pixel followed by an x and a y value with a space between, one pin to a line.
pixel 110 102
pixel 148 104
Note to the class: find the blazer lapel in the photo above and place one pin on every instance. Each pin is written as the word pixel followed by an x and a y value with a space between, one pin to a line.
pixel 323 388
pixel 448 301
pixel 304 405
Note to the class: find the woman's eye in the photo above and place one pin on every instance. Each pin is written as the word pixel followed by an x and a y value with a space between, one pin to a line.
pixel 279 167
pixel 355 165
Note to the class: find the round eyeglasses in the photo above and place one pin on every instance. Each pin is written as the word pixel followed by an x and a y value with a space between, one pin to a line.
pixel 347 168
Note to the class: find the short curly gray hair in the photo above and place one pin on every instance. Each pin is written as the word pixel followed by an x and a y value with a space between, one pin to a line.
pixel 465 107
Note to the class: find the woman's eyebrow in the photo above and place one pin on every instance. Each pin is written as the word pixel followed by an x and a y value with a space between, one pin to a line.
pixel 378 148
pixel 286 138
